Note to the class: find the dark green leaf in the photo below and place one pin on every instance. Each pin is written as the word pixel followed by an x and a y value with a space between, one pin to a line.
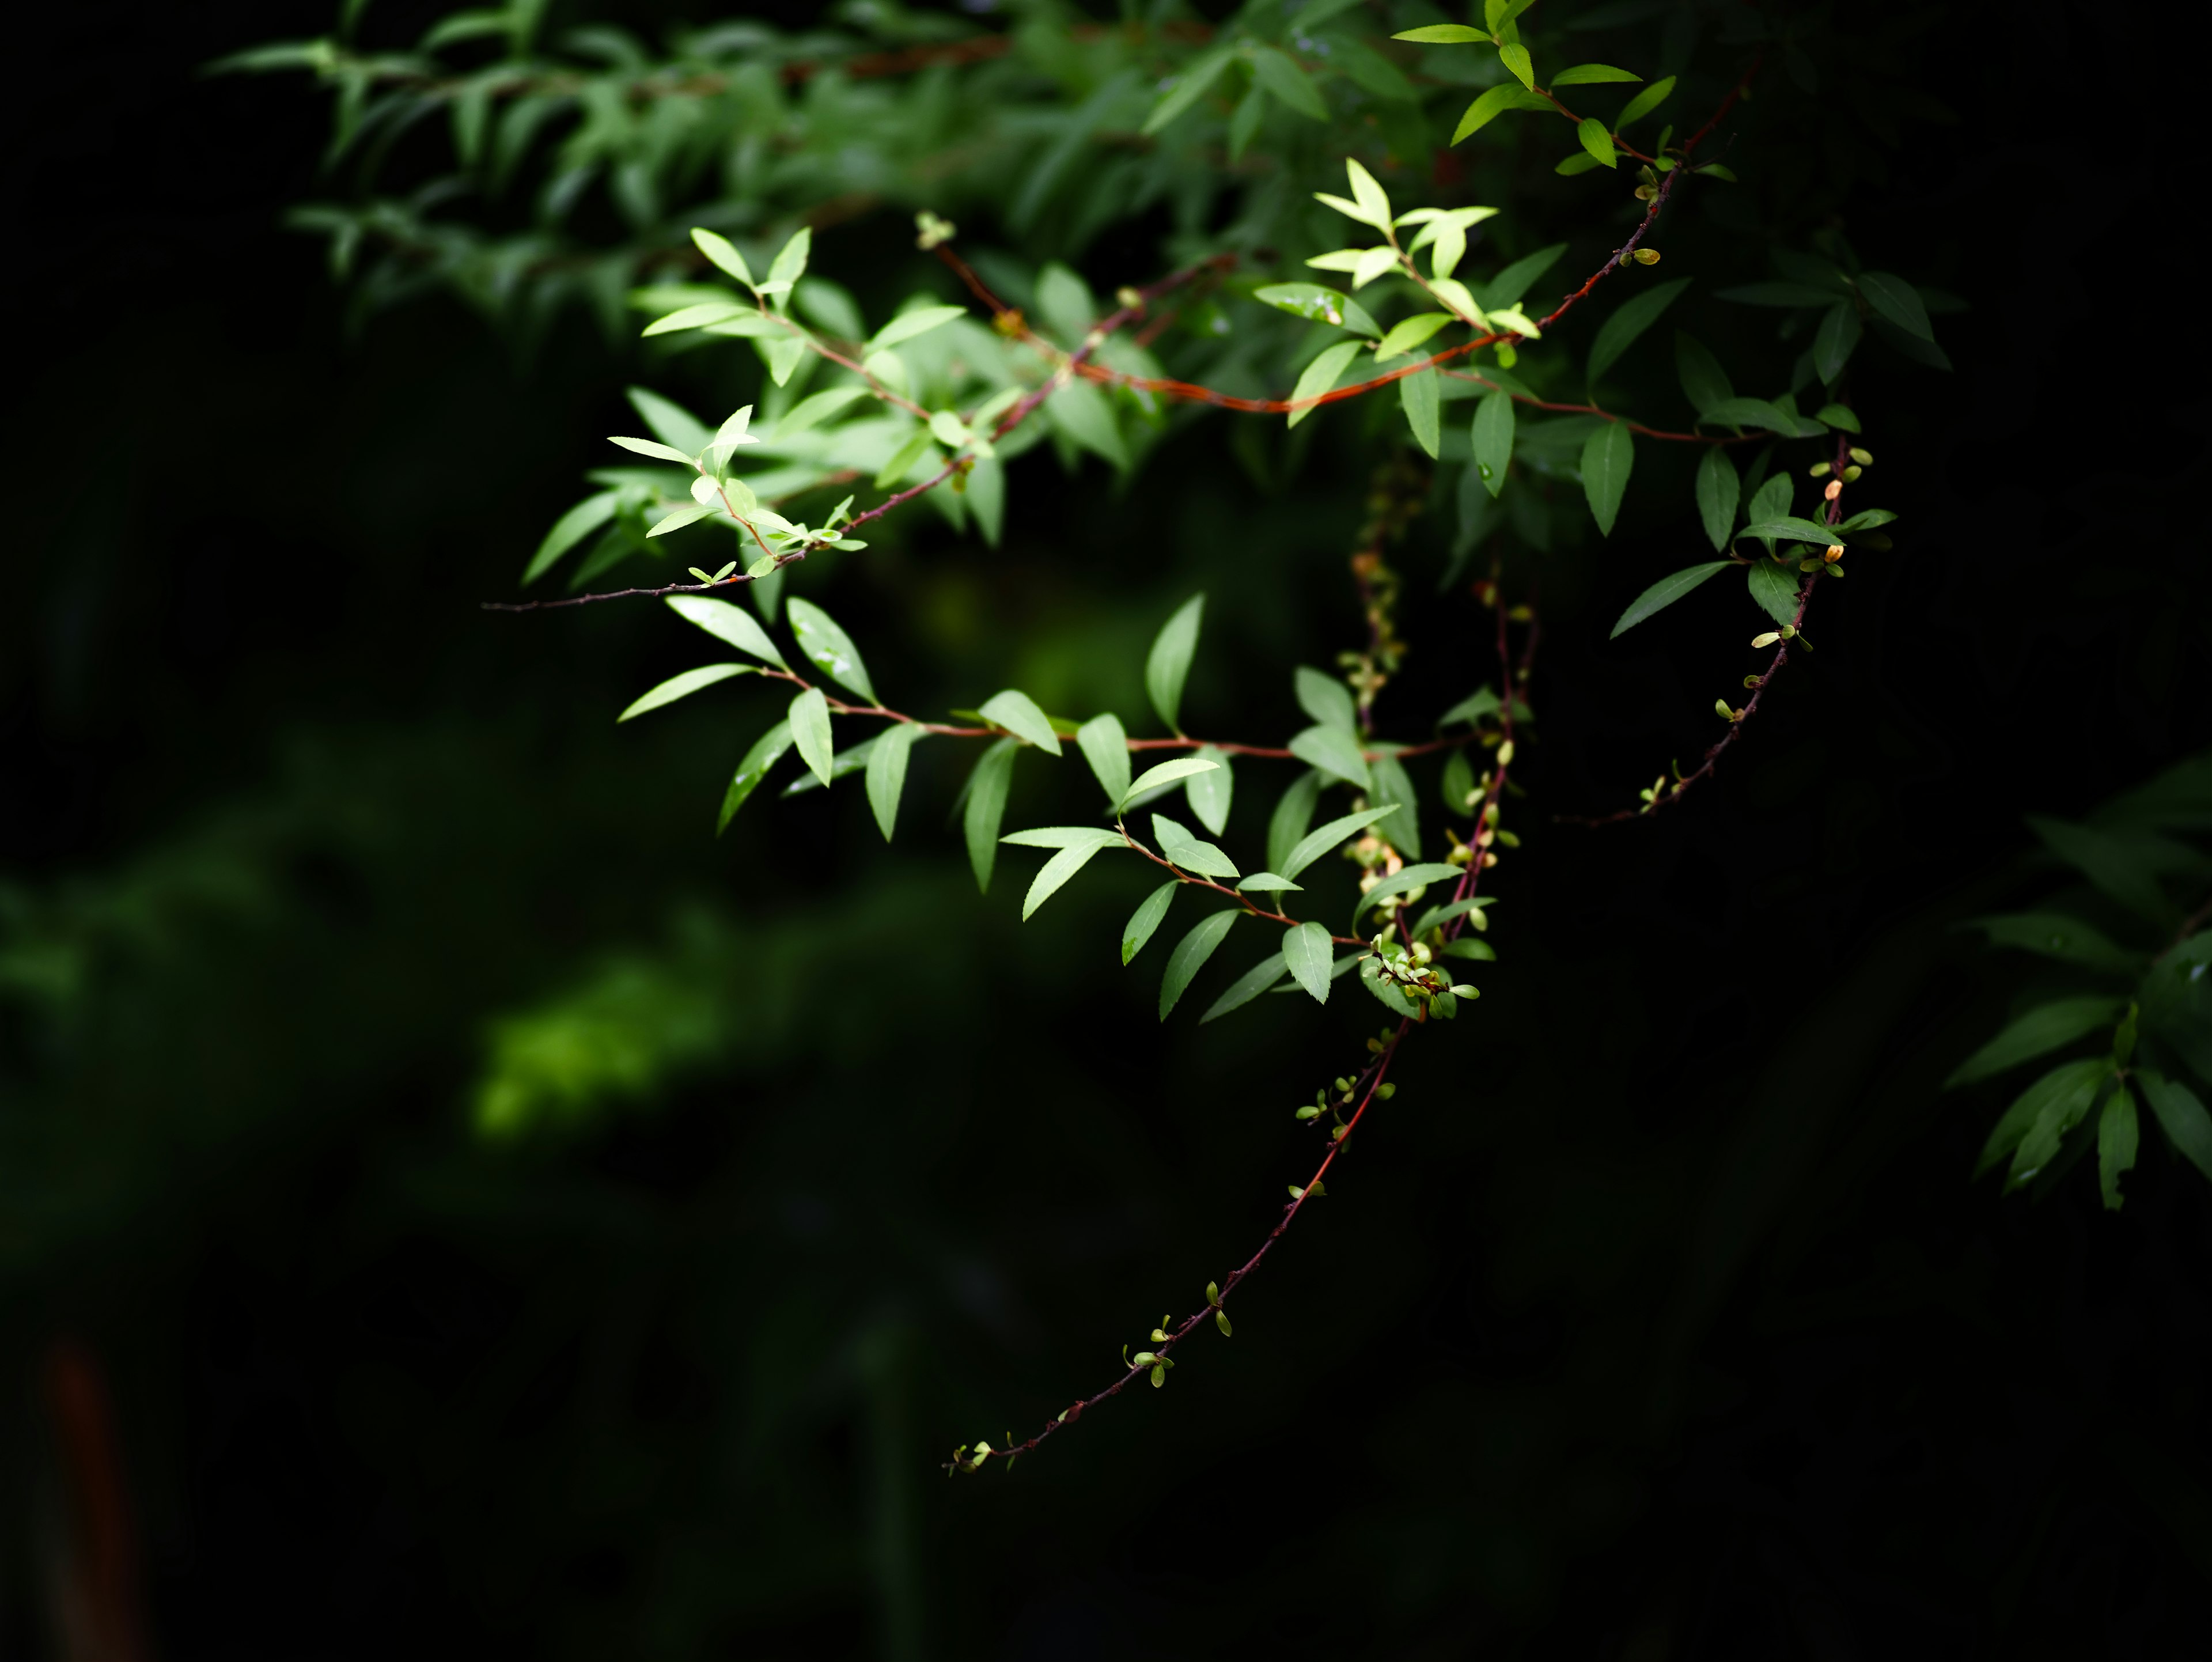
pixel 766 753
pixel 1705 383
pixel 2125 867
pixel 1472 708
pixel 1317 842
pixel 1146 919
pixel 1017 713
pixel 1493 439
pixel 1837 339
pixel 2177 1002
pixel 1893 298
pixel 2066 939
pixel 1401 828
pixel 1192 854
pixel 1790 527
pixel 1190 955
pixel 1645 102
pixel 1778 293
pixel 2043 1029
pixel 1775 589
pixel 1507 287
pixel 1631 320
pixel 1334 752
pixel 1105 746
pixel 1169 666
pixel 1260 978
pixel 1293 815
pixel 1719 489
pixel 1752 412
pixel 1209 793
pixel 828 648
pixel 1608 454
pixel 1665 593
pixel 986 807
pixel 1437 915
pixel 2182 1117
pixel 1306 952
pixel 1404 881
pixel 1188 87
pixel 1838 415
pixel 1285 80
pixel 887 773
pixel 2116 1137
pixel 2046 1110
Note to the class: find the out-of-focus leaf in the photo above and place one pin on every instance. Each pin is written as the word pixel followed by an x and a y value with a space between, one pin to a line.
pixel 2045 1028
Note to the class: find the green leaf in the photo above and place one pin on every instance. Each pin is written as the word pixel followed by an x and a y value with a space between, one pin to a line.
pixel 810 731
pixel 1579 163
pixel 1719 489
pixel 2177 1002
pixel 1319 304
pixel 1585 74
pixel 1306 952
pixel 1285 80
pixel 1838 415
pixel 1597 141
pixel 1753 412
pixel 986 807
pixel 829 648
pixel 1421 395
pixel 1188 87
pixel 1371 977
pixel 1778 293
pixel 1165 774
pixel 1018 713
pixel 1515 57
pixel 1168 665
pixel 724 254
pixel 1146 920
pixel 1608 454
pixel 1789 527
pixel 1437 916
pixel 1321 377
pixel 1057 870
pixel 649 448
pixel 1893 298
pixel 677 686
pixel 1083 414
pixel 2045 1028
pixel 1491 105
pixel 1335 752
pixel 813 410
pixel 912 326
pixel 2066 939
pixel 790 261
pixel 1209 793
pixel 1409 332
pixel 1493 439
pixel 2117 1137
pixel 1705 383
pixel 1507 287
pixel 1771 501
pixel 1319 841
pixel 1837 339
pixel 1644 102
pixel 2116 865
pixel 1442 34
pixel 728 623
pixel 1665 593
pixel 571 528
pixel 1260 978
pixel 1479 951
pixel 844 762
pixel 1622 328
pixel 1404 881
pixel 887 772
pixel 1774 587
pixel 1402 829
pixel 1190 955
pixel 2046 1110
pixel 1268 883
pixel 1106 747
pixel 1325 698
pixel 1293 814
pixel 1192 854
pixel 766 753
pixel 1866 520
pixel 1477 704
pixel 2181 1115
pixel 1064 837
pixel 690 513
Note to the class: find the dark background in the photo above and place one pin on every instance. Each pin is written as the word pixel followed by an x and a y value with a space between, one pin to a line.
pixel 1656 1319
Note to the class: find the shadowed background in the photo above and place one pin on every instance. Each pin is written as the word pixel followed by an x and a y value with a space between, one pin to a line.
pixel 1655 1318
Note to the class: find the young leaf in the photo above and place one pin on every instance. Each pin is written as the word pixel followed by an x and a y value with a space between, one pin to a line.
pixel 887 772
pixel 2116 1137
pixel 676 686
pixel 1439 34
pixel 766 753
pixel 1190 955
pixel 1665 593
pixel 1018 713
pixel 1401 828
pixel 1371 977
pixel 790 263
pixel 1106 747
pixel 1597 141
pixel 1608 454
pixel 728 623
pixel 810 731
pixel 1493 439
pixel 1268 883
pixel 1325 698
pixel 1404 881
pixel 1188 87
pixel 1321 377
pixel 571 528
pixel 723 254
pixel 1065 836
pixel 1320 305
pixel 1318 841
pixel 1263 976
pixel 816 408
pixel 1719 489
pixel 1164 773
pixel 1057 870
pixel 2045 1028
pixel 1209 793
pixel 2181 1115
pixel 829 648
pixel 1621 329
pixel 1644 102
pixel 1408 333
pixel 1515 57
pixel 651 447
pixel 1293 814
pixel 1169 665
pixel 1146 920
pixel 1335 752
pixel 1421 395
pixel 1774 587
pixel 1191 853
pixel 912 326
pixel 1306 952
pixel 1893 298
pixel 1582 74
pixel 1285 80
pixel 1705 383
pixel 986 807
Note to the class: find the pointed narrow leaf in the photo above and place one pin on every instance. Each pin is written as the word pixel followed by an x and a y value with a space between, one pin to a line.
pixel 1192 854
pixel 1837 339
pixel 1645 102
pixel 1187 89
pixel 1064 837
pixel 1597 141
pixel 1334 752
pixel 1293 814
pixel 2055 1090
pixel 1583 73
pixel 728 623
pixel 1401 828
pixel 1190 955
pixel 677 686
pixel 1146 920
pixel 1057 870
pixel 1421 395
pixel 766 753
pixel 651 447
pixel 1621 330
pixel 1775 588
pixel 1165 773
pixel 1719 489
pixel 1705 383
pixel 1665 593
pixel 887 773
pixel 1790 527
pixel 2116 1137
pixel 810 731
pixel 1266 883
pixel 1106 747
pixel 828 648
pixel 2043 1029
pixel 1318 841
pixel 2066 939
pixel 1209 793
pixel 986 807
pixel 1608 455
pixel 2113 864
pixel 678 518
pixel 571 528
pixel 1406 881
pixel 1168 666
pixel 1493 439
pixel 816 408
pixel 1893 298
pixel 723 254
pixel 1285 80
pixel 1306 952
pixel 1261 977
pixel 1321 377
pixel 1441 35
pixel 2181 1115
pixel 1515 57
pixel 1018 713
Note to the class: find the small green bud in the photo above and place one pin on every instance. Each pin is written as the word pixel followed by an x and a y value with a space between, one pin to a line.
pixel 1750 684
pixel 1510 839
pixel 1818 469
pixel 1308 1112
pixel 1221 1321
pixel 1851 474
pixel 1647 256
pixel 1765 640
pixel 1863 458
pixel 1721 708
pixel 1386 1092
pixel 1297 1193
pixel 1142 1358
pixel 1213 1293
pixel 1788 631
pixel 1160 1377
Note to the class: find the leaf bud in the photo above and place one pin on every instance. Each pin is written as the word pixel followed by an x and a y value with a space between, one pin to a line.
pixel 1765 640
pixel 1213 1293
pixel 1505 754
pixel 1647 256
pixel 1808 565
pixel 1818 469
pixel 1835 553
pixel 1721 708
pixel 1308 1112
pixel 1142 1358
pixel 1160 1377
pixel 1339 1134
pixel 1507 838
pixel 1221 1321
pixel 1851 473
pixel 1788 631
pixel 1128 299
pixel 1751 682
pixel 1386 1092
pixel 1863 458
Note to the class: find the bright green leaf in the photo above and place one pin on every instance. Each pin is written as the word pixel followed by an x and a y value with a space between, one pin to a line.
pixel 1334 752
pixel 1190 955
pixel 677 686
pixel 766 753
pixel 810 731
pixel 1018 713
pixel 986 807
pixel 829 648
pixel 1146 920
pixel 1597 141
pixel 1665 593
pixel 1168 665
pixel 1105 746
pixel 1319 841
